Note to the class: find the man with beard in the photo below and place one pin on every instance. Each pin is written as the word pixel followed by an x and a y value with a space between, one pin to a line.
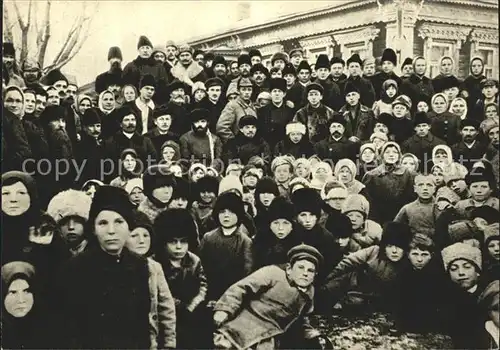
pixel 159 55
pixel 127 137
pixel 143 106
pixel 161 132
pixel 213 102
pixel 32 72
pixel 199 144
pixel 417 86
pixel 171 50
pixel 274 117
pixel 244 66
pixel 364 86
pixel 90 149
pixel 187 70
pixel 9 59
pixel 336 146
pixel 220 70
pixel 228 123
pixel 143 65
pixel 260 76
pixel 470 150
pixel 113 76
pixel 178 107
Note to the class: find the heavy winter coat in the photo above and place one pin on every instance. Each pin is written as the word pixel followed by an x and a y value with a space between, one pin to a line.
pixel 417 88
pixel 369 235
pixel 332 96
pixel 214 110
pixel 365 88
pixel 379 79
pixel 243 148
pixel 445 126
pixel 316 120
pixel 227 125
pixel 468 156
pixel 89 154
pixel 159 140
pixel 135 70
pixel 303 149
pixel 200 146
pixel 400 129
pixel 360 124
pixel 273 121
pixel 336 150
pixel 115 145
pixel 422 147
pixel 15 145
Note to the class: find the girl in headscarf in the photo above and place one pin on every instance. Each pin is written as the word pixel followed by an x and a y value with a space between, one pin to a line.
pixel 410 162
pixel 346 172
pixel 368 159
pixel 129 168
pixel 444 124
pixel 13 101
pixel 109 123
pixel 106 102
pixel 446 69
pixel 388 95
pixel 459 107
pixel 321 173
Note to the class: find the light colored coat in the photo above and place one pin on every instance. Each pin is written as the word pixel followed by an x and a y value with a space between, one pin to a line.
pixel 227 125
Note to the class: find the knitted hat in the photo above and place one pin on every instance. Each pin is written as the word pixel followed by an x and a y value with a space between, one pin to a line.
pixel 339 225
pixel 144 41
pixel 304 65
pixel 254 52
pixel 345 162
pixel 356 202
pixel 407 62
pixel 316 87
pixel 350 87
pixel 307 200
pixel 460 251
pixel 277 83
pixel 322 62
pixel 175 85
pixel 248 120
pixel 51 113
pixel 244 59
pixel 175 223
pixel 147 80
pixel 207 184
pixel 389 55
pixel 198 86
pixel 214 82
pixel 279 56
pixel 267 185
pixel 8 49
pixel 115 52
pixel 91 116
pixel 485 212
pixel 157 176
pixel 295 127
pixel 113 199
pixel 134 183
pixel 354 59
pixel 366 146
pixel 289 69
pixel 230 201
pixel 281 160
pixel 336 59
pixel 305 252
pixel 15 268
pixel 199 114
pixel 421 118
pixel 296 182
pixel 379 135
pixel 402 100
pixel 396 233
pixel 462 230
pixel 69 203
pixel 281 208
pixel 230 183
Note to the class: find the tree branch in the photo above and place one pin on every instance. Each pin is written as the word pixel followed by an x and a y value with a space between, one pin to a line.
pixel 46 34
pixel 19 18
pixel 76 27
pixel 8 36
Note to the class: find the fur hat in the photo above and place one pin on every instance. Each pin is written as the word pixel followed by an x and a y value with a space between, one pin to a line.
pixel 354 59
pixel 207 184
pixel 175 223
pixel 277 83
pixel 339 225
pixel 144 41
pixel 69 203
pixel 259 67
pixel 214 82
pixel 244 82
pixel 289 69
pixel 385 118
pixel 462 230
pixel 336 59
pixel 123 111
pixel 305 252
pixel 297 181
pixel 147 80
pixel 307 199
pixel 54 76
pixel 402 100
pixel 316 87
pixel 322 62
pixel 51 113
pixel 115 52
pixel 407 62
pixel 136 182
pixel 113 199
pixel 281 160
pixel 157 176
pixel 182 190
pixel 455 173
pixel 389 55
pixel 460 251
pixel 481 175
pixel 485 212
pixel 248 120
pixel 186 48
pixel 421 118
pixel 350 87
pixel 281 208
pixel 199 114
pixel 379 135
pixel 254 52
pixel 244 59
pixel 469 122
pixel 230 201
pixel 295 127
pixel 230 183
pixel 217 60
pixel 279 56
pixel 396 233
pixel 267 185
pixel 356 202
pixel 91 116
pixel 8 49
pixel 194 52
pixel 449 82
pixel 304 65
pixel 15 268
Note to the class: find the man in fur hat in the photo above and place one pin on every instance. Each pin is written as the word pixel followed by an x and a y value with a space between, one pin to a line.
pixel 389 62
pixel 143 65
pixel 337 146
pixel 337 66
pixel 199 144
pixel 56 79
pixel 187 70
pixel 359 118
pixel 296 56
pixel 171 52
pixel 363 85
pixel 114 75
pixel 9 59
pixel 331 95
pixel 244 67
pixel 417 86
pixel 177 105
pixel 407 68
pixel 279 60
pixel 260 77
pixel 255 56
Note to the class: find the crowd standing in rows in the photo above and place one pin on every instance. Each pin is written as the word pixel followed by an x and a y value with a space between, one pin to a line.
pixel 201 203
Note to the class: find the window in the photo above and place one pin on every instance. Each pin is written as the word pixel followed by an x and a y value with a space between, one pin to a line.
pixel 314 53
pixel 352 48
pixel 489 56
pixel 437 51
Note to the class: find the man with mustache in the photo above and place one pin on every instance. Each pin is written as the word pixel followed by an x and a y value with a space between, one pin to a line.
pixel 177 105
pixel 32 72
pixel 200 143
pixel 336 146
pixel 58 81
pixel 187 70
pixel 9 59
pixel 171 52
pixel 214 102
pixel 244 67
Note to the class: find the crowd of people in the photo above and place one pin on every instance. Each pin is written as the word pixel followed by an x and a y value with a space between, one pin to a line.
pixel 196 202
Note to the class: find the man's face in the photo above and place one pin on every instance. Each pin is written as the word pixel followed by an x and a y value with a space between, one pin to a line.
pixel 290 79
pixel 337 70
pixel 234 69
pixel 399 110
pixel 369 69
pixel 422 130
pixel 463 273
pixel 29 103
pixel 61 86
pixel 424 186
pixel 171 52
pixel 277 96
pixel 71 91
pixel 276 74
pixel 469 134
pixel 337 130
pixel 246 92
pixel 163 122
pixel 147 92
pixel 145 51
pixel 249 131
pixel 58 124
pixel 220 70
pixel 494 136
pixel 178 95
pixel 490 91
pixel 296 59
pixel 31 76
pixel 200 59
pixel 159 57
pixel 93 130
pixel 407 70
pixel 352 98
pixel 244 69
pixel 322 73
pixel 255 60
pixel 214 93
pixel 420 66
pixel 491 112
pixel 129 124
pixel 419 258
pixel 186 58
pixel 354 69
pixel 259 77
pixel 41 103
pixel 280 64
pixel 200 126
pixel 304 75
pixel 476 67
pixel 387 67
pixel 446 66
pixel 53 98
pixel 8 60
pixel 314 97
pixel 302 273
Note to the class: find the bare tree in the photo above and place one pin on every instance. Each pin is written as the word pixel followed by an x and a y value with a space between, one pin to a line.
pixel 37 24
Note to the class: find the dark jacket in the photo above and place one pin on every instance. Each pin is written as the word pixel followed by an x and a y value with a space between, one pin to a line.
pixel 437 83
pixel 227 125
pixel 468 156
pixel 181 123
pixel 472 85
pixel 243 148
pixel 332 96
pixel 159 139
pixel 361 124
pixel 135 70
pixel 102 80
pixel 417 88
pixel 90 153
pixel 365 88
pixel 303 149
pixel 14 142
pixel 138 114
pixel 446 126
pixel 198 146
pixel 336 150
pixel 380 78
pixel 401 129
pixel 214 109
pixel 297 95
pixel 273 121
pixel 36 138
pixel 115 145
pixel 316 121
pixel 422 147
pixel 269 250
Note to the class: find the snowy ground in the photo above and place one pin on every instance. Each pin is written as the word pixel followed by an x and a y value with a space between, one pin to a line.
pixel 375 332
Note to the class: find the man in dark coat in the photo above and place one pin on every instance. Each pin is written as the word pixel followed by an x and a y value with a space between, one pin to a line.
pixel 244 66
pixel 363 85
pixel 260 78
pixel 177 105
pixel 417 86
pixel 337 66
pixel 161 133
pixel 15 146
pixel 146 64
pixel 114 75
pixel 336 146
pixel 143 106
pixel 214 102
pixel 274 117
pixel 471 87
pixel 171 51
pixel 332 96
pixel 389 62
pixel 294 93
pixel 187 70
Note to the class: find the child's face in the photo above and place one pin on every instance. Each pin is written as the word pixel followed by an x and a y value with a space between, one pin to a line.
pixel 367 156
pixel 168 154
pixel 302 171
pixel 136 196
pixel 494 249
pixel 304 75
pixel 480 191
pixel 314 97
pixel 409 163
pixel 422 106
pixel 387 66
pixel 394 253
pixel 91 191
pixel 307 220
pixel 458 186
pixel 451 93
pixel 177 248
pixel 345 175
pixel 72 230
pixel 369 69
pixel 139 241
pixel 198 174
pixel 266 199
pixel 491 112
pixel 335 203
pixel 178 203
pixel 391 91
pixel 490 91
pixel 282 173
pixel 463 273
pixel 322 73
pixel 290 79
pixel 424 187
pixel 352 98
pixel 441 157
pixel 227 218
pixel 399 110
pixel 129 163
pixel 250 181
pixel 295 137
pixel 163 194
pixel 391 155
pixel 249 131
pixel 176 170
pixel 199 95
pixel 343 242
pixel 419 258
pixel 302 273
pixel 381 127
pixel 437 173
pixel 281 228
pixel 357 219
pixel 163 122
pixel 321 174
pixel 378 142
pixel 207 197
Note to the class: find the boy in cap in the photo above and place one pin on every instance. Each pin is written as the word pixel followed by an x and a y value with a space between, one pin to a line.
pixel 205 195
pixel 315 115
pixel 286 294
pixel 159 184
pixel 295 143
pixel 389 62
pixel 336 146
pixel 332 96
pixel 282 169
pixel 359 118
pixel 364 86
pixel 401 125
pixel 247 142
pixel 489 91
pixel 481 185
pixel 296 56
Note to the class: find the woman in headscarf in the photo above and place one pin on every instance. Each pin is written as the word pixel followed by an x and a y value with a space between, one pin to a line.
pixel 444 124
pixel 346 172
pixel 321 173
pixel 130 168
pixel 446 70
pixel 107 106
pixel 459 108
